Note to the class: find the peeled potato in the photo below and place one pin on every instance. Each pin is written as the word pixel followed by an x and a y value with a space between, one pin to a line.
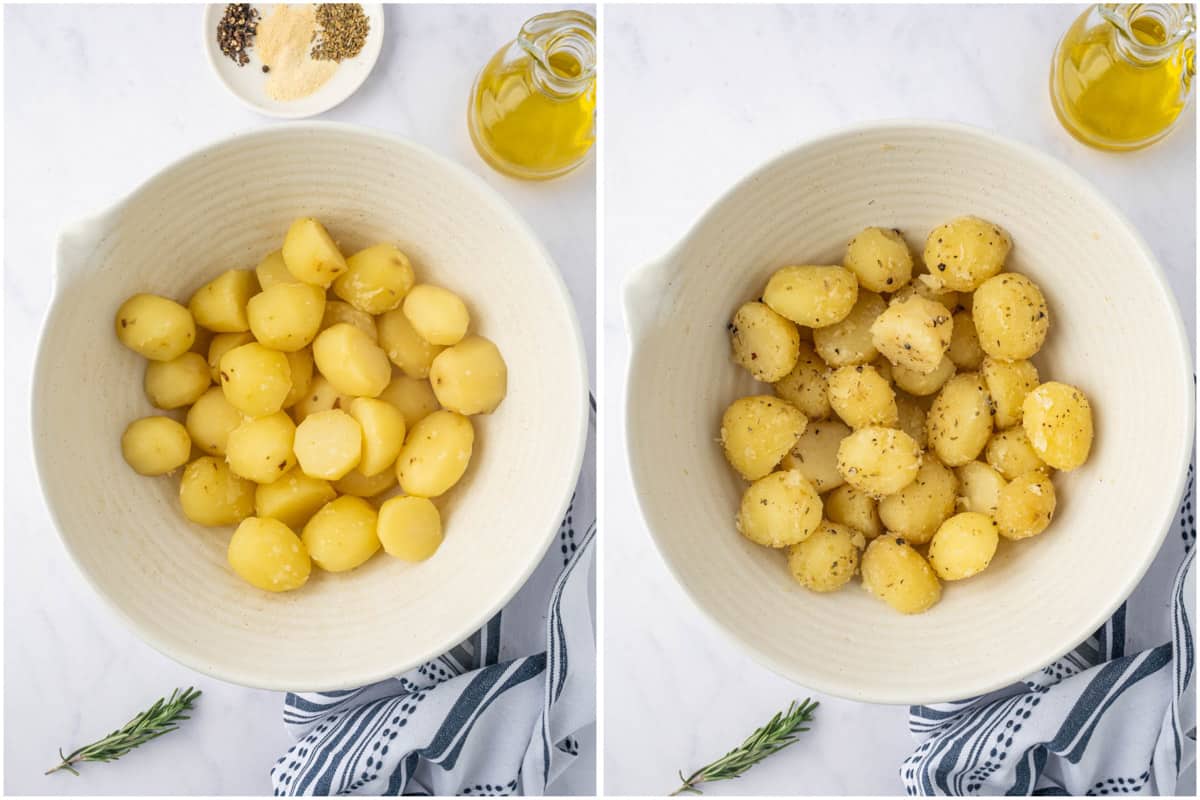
pixel 287 316
pixel 1057 418
pixel 410 528
pixel 916 511
pixel 376 279
pixel 255 379
pixel 469 377
pixel 321 396
pixel 221 344
pixel 155 327
pixel 911 419
pixel 828 559
pixel 260 449
pixel 311 254
pixel 1007 383
pixel 1010 453
pixel 855 509
pixel 960 420
pixel 879 461
pixel 301 364
pixel 328 444
pixel 923 384
pixel 1011 317
pixel 268 554
pixel 414 397
pixel 897 574
pixel 965 252
pixel 965 350
pixel 359 485
pixel 155 445
pixel 815 296
pixel 764 343
pixel 342 535
pixel 880 258
pixel 438 315
pixel 963 546
pixel 1026 506
pixel 436 453
pixel 815 453
pixel 914 333
pixel 404 346
pixel 861 397
pixel 211 419
pixel 292 498
pixel 271 270
pixel 757 431
pixel 336 311
pixel 806 386
pixel 351 361
pixel 220 304
pixel 178 382
pixel 980 487
pixel 849 341
pixel 383 433
pixel 210 494
pixel 779 510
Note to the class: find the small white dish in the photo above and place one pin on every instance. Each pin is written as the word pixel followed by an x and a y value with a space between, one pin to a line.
pixel 249 83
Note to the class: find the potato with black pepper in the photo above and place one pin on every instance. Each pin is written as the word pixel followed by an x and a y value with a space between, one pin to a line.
pixel 1011 317
pixel 959 422
pixel 917 510
pixel 979 487
pixel 815 296
pixel 963 546
pixel 849 341
pixel 1057 418
pixel 914 333
pixel 855 509
pixel 861 397
pixel 470 377
pixel 897 574
pixel 806 386
pixel 879 461
pixel 880 258
pixel 1007 384
pixel 1026 505
pixel 965 351
pixel 155 327
pixel 1010 453
pixel 780 509
pixel 923 384
pixel 963 253
pixel 814 455
pixel 764 343
pixel 828 559
pixel 757 431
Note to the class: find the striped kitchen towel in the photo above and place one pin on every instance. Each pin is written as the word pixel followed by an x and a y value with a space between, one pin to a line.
pixel 506 712
pixel 1117 715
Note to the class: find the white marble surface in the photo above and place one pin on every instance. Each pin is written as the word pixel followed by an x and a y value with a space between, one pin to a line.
pixel 696 98
pixel 97 98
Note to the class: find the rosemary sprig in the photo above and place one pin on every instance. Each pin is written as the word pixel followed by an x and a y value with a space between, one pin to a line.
pixel 160 718
pixel 770 738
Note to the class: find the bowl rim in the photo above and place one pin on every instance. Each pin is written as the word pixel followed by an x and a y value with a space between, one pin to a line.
pixel 1061 173
pixel 486 193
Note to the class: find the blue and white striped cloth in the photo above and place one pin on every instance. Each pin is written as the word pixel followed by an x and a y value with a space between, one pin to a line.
pixel 504 713
pixel 1117 715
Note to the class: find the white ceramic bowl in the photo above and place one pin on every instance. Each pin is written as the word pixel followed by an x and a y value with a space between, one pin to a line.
pixel 226 206
pixel 1115 332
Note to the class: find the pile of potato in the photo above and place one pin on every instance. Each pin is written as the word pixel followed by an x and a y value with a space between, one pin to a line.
pixel 908 431
pixel 308 419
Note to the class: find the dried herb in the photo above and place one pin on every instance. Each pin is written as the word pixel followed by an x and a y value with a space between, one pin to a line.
pixel 342 32
pixel 236 30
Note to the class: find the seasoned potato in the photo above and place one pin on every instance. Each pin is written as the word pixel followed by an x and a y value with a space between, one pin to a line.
pixel 959 422
pixel 1026 505
pixel 404 346
pixel 255 379
pixel 155 327
pixel 212 495
pixel 914 333
pixel 879 461
pixel 920 287
pixel 376 279
pixel 211 419
pixel 269 555
pixel 1011 317
pixel 880 258
pixel 436 453
pixel 410 528
pixel 917 510
pixel 965 351
pixel 469 377
pixel 321 396
pixel 342 536
pixel 849 341
pixel 855 509
pixel 963 546
pixel 287 316
pixel 923 384
pixel 861 397
pixel 178 382
pixel 757 431
pixel 220 304
pixel 301 364
pixel 1010 453
pixel 271 270
pixel 884 368
pixel 812 296
pixel 336 311
pixel 781 509
pixel 438 315
pixel 328 444
pixel 815 454
pixel 359 485
pixel 805 386
pixel 1057 418
pixel 383 433
pixel 292 498
pixel 1007 383
pixel 221 344
pixel 311 255
pixel 980 487
pixel 963 253
pixel 155 445
pixel 351 361
pixel 911 419
pixel 828 559
pixel 414 398
pixel 260 449
pixel 764 342
pixel 897 574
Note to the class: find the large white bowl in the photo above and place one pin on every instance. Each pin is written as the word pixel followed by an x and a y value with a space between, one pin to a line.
pixel 226 206
pixel 1115 332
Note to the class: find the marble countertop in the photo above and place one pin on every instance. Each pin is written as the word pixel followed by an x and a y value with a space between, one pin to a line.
pixel 97 98
pixel 693 101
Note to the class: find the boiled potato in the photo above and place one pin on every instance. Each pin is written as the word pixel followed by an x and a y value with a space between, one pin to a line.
pixel 897 574
pixel 292 498
pixel 359 485
pixel 779 510
pixel 911 419
pixel 287 316
pixel 764 343
pixel 178 382
pixel 811 295
pixel 880 258
pixel 959 422
pixel 828 559
pixel 342 535
pixel 328 444
pixel 336 311
pixel 757 431
pixel 301 364
pixel 260 449
pixel 1007 383
pixel 805 386
pixel 410 528
pixel 815 454
pixel 963 253
pixel 963 546
pixel 849 341
pixel 311 254
pixel 269 555
pixel 1026 505
pixel 965 350
pixel 255 379
pixel 211 419
pixel 404 346
pixel 155 327
pixel 155 445
pixel 376 279
pixel 916 511
pixel 271 270
pixel 321 396
pixel 212 495
pixel 914 333
pixel 884 368
pixel 1057 418
pixel 414 398
pixel 351 361
pixel 220 304
pixel 469 377
pixel 1011 317
pixel 221 344
pixel 879 461
pixel 980 487
pixel 923 384
pixel 855 509
pixel 383 433
pixel 438 315
pixel 436 453
pixel 920 287
pixel 1010 453
pixel 861 397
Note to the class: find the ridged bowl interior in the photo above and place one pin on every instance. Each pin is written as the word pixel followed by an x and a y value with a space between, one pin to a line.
pixel 226 207
pixel 1115 332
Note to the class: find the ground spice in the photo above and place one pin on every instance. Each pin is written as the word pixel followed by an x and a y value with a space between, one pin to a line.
pixel 283 43
pixel 236 30
pixel 343 31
